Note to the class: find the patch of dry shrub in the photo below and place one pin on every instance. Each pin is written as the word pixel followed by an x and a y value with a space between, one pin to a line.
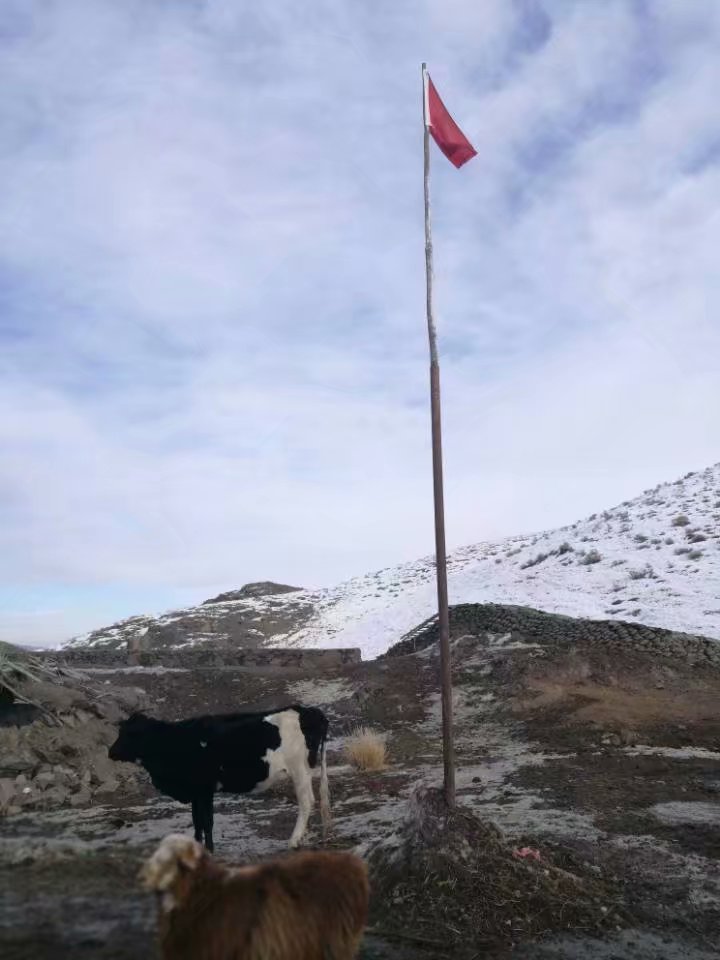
pixel 365 749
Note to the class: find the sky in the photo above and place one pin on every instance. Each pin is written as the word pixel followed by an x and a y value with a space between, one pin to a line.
pixel 213 353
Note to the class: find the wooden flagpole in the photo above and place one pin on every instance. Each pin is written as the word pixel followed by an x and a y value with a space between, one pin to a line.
pixel 440 551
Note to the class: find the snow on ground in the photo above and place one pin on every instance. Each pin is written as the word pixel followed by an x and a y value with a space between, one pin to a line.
pixel 655 559
pixel 672 753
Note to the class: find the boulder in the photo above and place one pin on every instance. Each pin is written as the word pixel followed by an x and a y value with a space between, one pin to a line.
pixel 26 796
pixel 50 754
pixel 81 799
pixel 108 786
pixel 67 748
pixel 629 737
pixel 57 697
pixel 56 796
pixel 44 780
pixel 109 709
pixel 127 771
pixel 82 715
pixel 102 768
pixel 7 791
pixel 65 777
pixel 14 764
pixel 130 699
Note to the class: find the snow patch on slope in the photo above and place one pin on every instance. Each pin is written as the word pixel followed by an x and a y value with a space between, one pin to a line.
pixel 655 559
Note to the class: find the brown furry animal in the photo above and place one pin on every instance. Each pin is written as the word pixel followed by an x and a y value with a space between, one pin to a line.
pixel 308 906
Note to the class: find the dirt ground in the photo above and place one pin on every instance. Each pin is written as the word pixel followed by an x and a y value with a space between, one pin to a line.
pixel 609 767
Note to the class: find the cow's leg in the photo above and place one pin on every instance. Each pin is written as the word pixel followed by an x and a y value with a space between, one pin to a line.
pixel 208 820
pixel 197 819
pixel 302 781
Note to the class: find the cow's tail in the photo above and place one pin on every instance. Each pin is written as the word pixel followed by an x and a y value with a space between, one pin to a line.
pixel 325 812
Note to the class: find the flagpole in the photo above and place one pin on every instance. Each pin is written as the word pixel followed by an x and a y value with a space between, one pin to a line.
pixel 440 551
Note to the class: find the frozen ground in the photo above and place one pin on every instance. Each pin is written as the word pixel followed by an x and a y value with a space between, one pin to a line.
pixel 611 775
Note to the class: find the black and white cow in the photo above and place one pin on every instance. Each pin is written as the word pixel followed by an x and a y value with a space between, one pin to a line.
pixel 191 760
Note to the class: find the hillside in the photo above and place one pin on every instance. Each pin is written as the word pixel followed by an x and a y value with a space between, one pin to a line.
pixel 588 778
pixel 654 559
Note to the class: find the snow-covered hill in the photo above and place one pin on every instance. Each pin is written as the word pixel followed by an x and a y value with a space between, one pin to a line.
pixel 655 559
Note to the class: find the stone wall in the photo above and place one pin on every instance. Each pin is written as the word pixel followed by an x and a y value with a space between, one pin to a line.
pixel 549 629
pixel 209 657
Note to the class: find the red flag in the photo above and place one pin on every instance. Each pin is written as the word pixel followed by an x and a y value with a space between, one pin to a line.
pixel 445 132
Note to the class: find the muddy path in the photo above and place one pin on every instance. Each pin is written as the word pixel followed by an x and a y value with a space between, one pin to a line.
pixel 602 767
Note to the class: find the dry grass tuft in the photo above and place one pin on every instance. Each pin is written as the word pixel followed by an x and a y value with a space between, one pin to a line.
pixel 365 749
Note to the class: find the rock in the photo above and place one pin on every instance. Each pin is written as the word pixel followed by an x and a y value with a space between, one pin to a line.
pixel 7 790
pixel 14 764
pixel 56 796
pixel 44 780
pixel 51 755
pixel 130 699
pixel 65 777
pixel 57 697
pixel 108 786
pixel 109 710
pixel 127 771
pixel 81 799
pixel 83 716
pixel 102 767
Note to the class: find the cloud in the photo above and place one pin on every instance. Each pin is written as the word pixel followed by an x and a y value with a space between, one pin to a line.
pixel 212 336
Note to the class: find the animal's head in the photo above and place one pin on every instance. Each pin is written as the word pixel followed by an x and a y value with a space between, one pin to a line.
pixel 132 734
pixel 168 872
